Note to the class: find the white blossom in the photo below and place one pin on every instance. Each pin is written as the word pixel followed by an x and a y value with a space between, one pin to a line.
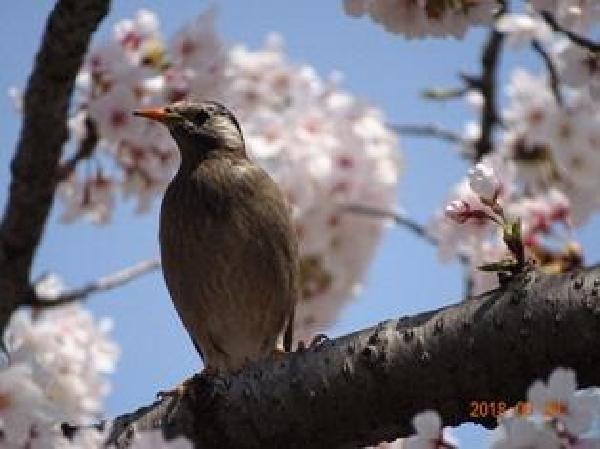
pixel 576 15
pixel 483 182
pixel 517 433
pixel 461 228
pixel 578 67
pixel 521 28
pixel 557 416
pixel 558 399
pixel 553 146
pixel 92 198
pixel 423 18
pixel 430 434
pixel 57 359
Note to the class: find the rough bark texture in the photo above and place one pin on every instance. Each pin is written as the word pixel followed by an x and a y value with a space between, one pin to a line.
pixel 365 387
pixel 43 134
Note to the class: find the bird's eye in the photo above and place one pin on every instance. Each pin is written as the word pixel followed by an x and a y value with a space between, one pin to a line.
pixel 199 117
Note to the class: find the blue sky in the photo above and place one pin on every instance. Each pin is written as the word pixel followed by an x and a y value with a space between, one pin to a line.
pixel 387 70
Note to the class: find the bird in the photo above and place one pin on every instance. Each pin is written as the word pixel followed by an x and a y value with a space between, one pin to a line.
pixel 228 247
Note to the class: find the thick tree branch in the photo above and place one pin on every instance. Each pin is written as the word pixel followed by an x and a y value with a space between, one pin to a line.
pixel 365 387
pixel 102 284
pixel 43 133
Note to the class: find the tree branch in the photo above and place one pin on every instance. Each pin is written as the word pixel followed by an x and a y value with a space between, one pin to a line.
pixel 401 220
pixel 102 284
pixel 443 93
pixel 427 130
pixel 554 80
pixel 84 150
pixel 365 387
pixel 43 133
pixel 573 37
pixel 486 84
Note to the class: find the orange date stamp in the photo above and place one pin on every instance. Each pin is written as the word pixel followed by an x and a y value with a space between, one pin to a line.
pixel 494 409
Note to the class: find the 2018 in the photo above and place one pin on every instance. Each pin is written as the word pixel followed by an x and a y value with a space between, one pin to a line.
pixel 484 409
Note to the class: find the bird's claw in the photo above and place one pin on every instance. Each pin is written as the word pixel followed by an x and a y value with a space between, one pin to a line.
pixel 318 341
pixel 177 391
pixel 182 388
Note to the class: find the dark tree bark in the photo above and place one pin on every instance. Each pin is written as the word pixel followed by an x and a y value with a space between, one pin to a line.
pixel 43 134
pixel 365 387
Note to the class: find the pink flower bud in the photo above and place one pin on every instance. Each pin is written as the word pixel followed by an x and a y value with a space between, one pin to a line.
pixel 458 211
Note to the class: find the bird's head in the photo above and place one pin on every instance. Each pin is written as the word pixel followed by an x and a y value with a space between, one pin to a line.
pixel 199 127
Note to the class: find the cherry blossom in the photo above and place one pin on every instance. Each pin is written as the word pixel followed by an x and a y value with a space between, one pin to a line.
pixel 467 221
pixel 55 370
pixel 423 18
pixel 579 67
pixel 516 433
pixel 522 28
pixel 575 14
pixel 557 416
pixel 430 434
pixel 483 182
pixel 553 146
pixel 92 198
pixel 557 399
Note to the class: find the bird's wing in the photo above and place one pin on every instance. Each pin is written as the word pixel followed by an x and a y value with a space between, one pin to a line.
pixel 197 346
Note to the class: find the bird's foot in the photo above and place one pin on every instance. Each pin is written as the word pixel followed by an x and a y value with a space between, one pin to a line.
pixel 181 389
pixel 318 341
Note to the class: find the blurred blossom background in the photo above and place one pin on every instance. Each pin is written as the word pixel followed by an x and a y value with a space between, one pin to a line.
pixel 349 74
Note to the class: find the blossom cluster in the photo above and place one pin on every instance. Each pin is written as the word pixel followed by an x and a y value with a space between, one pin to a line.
pixel 576 15
pixel 324 147
pixel 425 18
pixel 557 416
pixel 547 157
pixel 55 371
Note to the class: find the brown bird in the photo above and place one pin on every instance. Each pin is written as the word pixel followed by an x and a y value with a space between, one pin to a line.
pixel 228 248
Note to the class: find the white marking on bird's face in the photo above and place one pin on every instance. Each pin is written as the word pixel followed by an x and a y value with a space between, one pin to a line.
pixel 226 129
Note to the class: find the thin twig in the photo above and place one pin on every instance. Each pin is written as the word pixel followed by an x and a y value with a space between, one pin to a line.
pixel 573 37
pixel 554 80
pixel 443 94
pixel 427 130
pixel 104 283
pixel 401 220
pixel 486 84
pixel 84 151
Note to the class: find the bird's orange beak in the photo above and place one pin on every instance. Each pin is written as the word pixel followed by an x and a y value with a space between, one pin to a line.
pixel 159 114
